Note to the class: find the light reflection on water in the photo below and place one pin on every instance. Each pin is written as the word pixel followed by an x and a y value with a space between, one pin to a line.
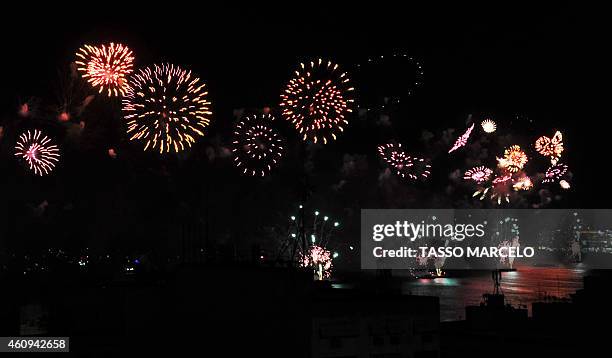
pixel 521 287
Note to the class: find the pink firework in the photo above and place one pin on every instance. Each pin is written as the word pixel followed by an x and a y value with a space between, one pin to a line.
pixel 319 260
pixel 461 141
pixel 502 179
pixel 404 165
pixel 478 174
pixel 37 150
pixel 555 173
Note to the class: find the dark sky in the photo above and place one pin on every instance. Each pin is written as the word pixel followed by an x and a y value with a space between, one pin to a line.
pixel 505 61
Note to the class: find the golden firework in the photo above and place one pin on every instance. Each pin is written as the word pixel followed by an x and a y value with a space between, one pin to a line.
pixel 106 67
pixel 166 108
pixel 317 100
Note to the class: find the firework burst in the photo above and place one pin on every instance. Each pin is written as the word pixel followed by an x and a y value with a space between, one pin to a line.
pixel 488 126
pixel 166 107
pixel 318 100
pixel 555 173
pixel 38 151
pixel 404 165
pixel 522 183
pixel 308 242
pixel 514 159
pixel 478 174
pixel 106 67
pixel 510 178
pixel 498 190
pixel 319 259
pixel 461 141
pixel 389 78
pixel 550 147
pixel 257 146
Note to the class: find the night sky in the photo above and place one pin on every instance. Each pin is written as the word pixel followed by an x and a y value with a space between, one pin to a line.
pixel 526 67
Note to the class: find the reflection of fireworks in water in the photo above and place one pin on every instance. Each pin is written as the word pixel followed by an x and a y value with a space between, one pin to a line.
pixel 404 165
pixel 478 174
pixel 555 173
pixel 106 67
pixel 461 141
pixel 37 151
pixel 257 146
pixel 166 107
pixel 488 126
pixel 550 147
pixel 514 159
pixel 319 260
pixel 317 100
